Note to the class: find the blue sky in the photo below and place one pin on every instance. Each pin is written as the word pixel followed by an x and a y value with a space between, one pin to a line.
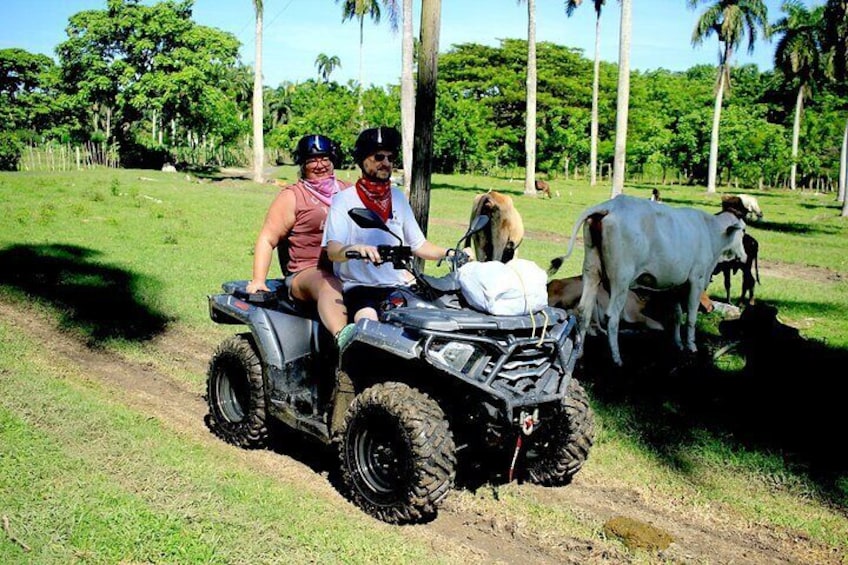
pixel 297 31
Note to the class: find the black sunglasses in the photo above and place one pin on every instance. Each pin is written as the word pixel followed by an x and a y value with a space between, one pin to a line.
pixel 380 156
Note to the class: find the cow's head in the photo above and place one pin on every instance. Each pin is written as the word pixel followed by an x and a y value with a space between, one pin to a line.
pixel 733 247
pixel 500 239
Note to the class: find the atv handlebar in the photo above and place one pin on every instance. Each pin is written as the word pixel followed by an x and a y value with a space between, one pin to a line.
pixel 398 255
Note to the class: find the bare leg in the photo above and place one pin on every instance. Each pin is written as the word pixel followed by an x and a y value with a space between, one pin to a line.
pixel 366 313
pixel 326 290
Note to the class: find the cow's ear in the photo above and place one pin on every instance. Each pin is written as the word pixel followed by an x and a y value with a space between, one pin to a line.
pixel 740 225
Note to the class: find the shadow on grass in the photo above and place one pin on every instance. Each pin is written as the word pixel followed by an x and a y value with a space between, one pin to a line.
pixel 786 399
pixel 99 300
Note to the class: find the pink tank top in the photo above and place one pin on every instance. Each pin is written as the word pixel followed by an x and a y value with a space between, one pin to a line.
pixel 304 239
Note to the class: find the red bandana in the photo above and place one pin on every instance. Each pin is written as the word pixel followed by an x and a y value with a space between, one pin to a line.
pixel 377 196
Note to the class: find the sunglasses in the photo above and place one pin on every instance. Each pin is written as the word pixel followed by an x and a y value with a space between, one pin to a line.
pixel 379 157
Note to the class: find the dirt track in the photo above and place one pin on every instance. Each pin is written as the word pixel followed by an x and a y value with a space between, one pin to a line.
pixel 715 535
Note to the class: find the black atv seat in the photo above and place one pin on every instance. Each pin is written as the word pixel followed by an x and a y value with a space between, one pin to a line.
pixel 277 298
pixel 449 320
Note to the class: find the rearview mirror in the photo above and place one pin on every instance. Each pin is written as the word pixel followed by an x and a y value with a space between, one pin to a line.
pixel 365 218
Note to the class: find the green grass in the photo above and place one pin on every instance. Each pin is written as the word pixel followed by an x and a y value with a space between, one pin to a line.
pixel 117 256
pixel 85 480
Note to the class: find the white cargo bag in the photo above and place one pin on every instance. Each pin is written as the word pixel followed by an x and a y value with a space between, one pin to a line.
pixel 505 289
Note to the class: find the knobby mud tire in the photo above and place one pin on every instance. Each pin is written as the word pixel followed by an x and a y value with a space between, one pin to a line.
pixel 396 453
pixel 235 393
pixel 563 445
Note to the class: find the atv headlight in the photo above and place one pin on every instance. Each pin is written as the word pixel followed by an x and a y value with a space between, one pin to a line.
pixel 454 355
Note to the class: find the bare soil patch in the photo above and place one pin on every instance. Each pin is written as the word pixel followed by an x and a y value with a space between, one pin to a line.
pixel 466 525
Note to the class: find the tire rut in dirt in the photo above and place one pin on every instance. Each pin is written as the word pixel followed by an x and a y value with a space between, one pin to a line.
pixel 396 453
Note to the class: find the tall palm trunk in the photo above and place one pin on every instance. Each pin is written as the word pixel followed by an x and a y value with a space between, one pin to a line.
pixel 361 57
pixel 843 164
pixel 530 130
pixel 407 95
pixel 723 82
pixel 623 104
pixel 258 105
pixel 796 130
pixel 593 135
pixel 425 110
pixel 713 165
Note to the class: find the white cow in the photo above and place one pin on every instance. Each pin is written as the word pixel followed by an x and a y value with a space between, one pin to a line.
pixel 744 206
pixel 636 243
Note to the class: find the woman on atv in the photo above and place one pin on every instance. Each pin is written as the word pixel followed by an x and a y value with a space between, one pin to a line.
pixel 294 224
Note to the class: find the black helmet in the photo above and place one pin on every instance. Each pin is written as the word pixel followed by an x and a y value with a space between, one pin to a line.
pixel 316 146
pixel 370 140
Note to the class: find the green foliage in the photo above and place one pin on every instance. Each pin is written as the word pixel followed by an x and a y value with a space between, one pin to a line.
pixel 146 76
pixel 152 68
pixel 10 151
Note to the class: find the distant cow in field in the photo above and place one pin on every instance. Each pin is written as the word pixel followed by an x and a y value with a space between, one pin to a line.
pixel 750 270
pixel 500 239
pixel 544 188
pixel 635 243
pixel 655 195
pixel 565 293
pixel 744 206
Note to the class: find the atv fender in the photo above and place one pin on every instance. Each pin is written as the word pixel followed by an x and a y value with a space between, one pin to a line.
pixel 383 336
pixel 291 340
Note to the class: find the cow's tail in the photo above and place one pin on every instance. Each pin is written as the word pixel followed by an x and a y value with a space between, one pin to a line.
pixel 757 268
pixel 557 262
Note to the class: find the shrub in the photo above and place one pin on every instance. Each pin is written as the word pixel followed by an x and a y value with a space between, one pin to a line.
pixel 11 149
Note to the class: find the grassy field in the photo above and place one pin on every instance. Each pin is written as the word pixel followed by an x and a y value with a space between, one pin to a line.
pixel 118 257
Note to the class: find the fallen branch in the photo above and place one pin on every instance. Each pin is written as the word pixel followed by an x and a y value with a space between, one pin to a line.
pixel 12 538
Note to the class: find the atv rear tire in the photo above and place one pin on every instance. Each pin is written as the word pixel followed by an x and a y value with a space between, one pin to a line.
pixel 397 454
pixel 557 451
pixel 236 394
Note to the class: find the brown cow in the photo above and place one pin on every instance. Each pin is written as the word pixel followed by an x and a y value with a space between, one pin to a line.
pixel 500 239
pixel 750 270
pixel 565 293
pixel 544 188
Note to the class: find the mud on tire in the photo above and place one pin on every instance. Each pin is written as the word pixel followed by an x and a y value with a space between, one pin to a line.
pixel 397 455
pixel 558 451
pixel 236 394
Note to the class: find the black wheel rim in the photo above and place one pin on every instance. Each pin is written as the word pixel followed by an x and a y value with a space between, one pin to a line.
pixel 382 460
pixel 231 394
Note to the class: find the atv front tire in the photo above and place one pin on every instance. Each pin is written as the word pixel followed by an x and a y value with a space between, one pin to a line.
pixel 397 454
pixel 557 451
pixel 236 394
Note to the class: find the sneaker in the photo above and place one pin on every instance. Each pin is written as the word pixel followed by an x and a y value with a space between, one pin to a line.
pixel 344 335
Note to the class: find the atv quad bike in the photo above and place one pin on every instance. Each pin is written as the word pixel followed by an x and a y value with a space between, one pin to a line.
pixel 433 384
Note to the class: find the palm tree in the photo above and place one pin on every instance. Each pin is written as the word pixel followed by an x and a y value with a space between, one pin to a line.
pixel 570 6
pixel 798 55
pixel 279 103
pixel 407 95
pixel 623 104
pixel 836 46
pixel 530 129
pixel 730 20
pixel 359 9
pixel 258 138
pixel 843 158
pixel 836 36
pixel 326 65
pixel 425 110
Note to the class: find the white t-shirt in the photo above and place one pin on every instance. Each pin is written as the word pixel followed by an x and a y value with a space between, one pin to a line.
pixel 341 228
